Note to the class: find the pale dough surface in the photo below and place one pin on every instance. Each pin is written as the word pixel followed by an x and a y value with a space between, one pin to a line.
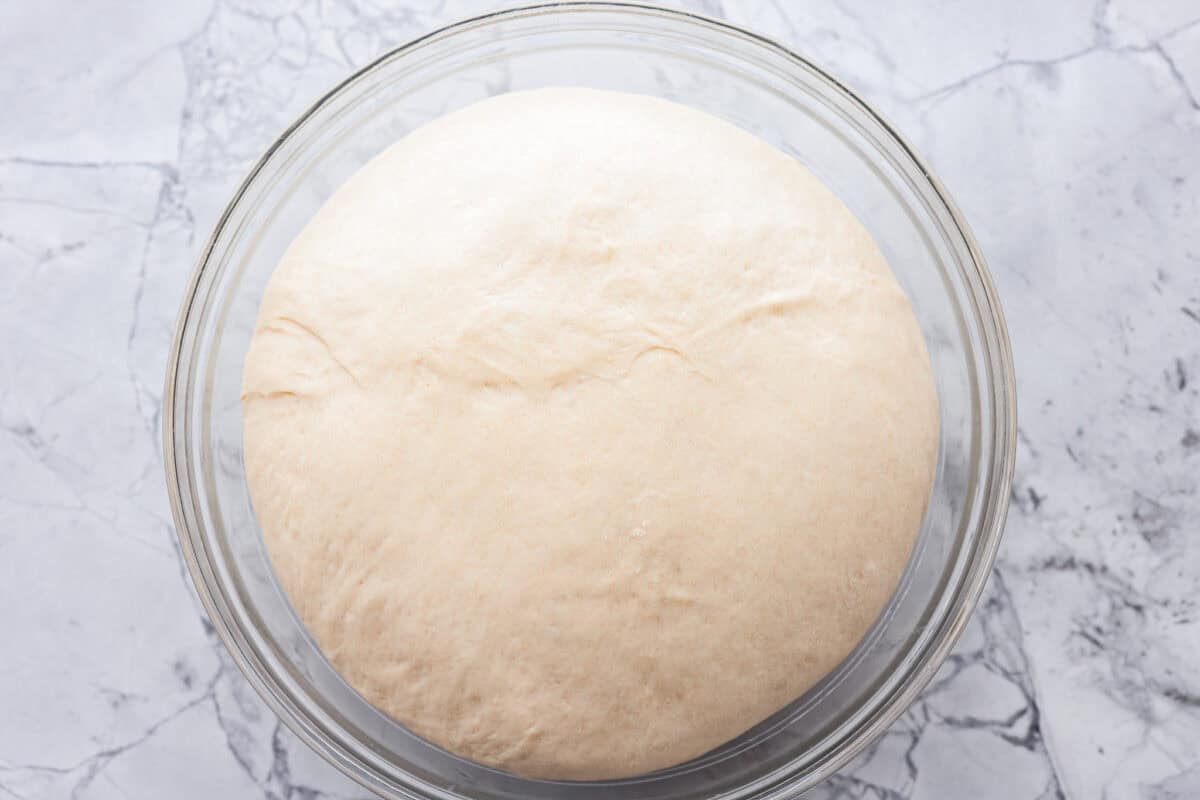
pixel 585 431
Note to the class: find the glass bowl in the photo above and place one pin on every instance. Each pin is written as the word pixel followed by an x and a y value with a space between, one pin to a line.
pixel 748 80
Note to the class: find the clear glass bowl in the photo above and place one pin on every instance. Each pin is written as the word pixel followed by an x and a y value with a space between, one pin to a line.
pixel 734 74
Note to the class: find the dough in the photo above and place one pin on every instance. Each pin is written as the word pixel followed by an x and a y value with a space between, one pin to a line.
pixel 585 431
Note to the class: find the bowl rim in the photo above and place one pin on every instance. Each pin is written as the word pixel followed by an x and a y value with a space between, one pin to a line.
pixel 994 343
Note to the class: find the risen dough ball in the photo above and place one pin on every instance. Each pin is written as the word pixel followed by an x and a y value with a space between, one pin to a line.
pixel 586 431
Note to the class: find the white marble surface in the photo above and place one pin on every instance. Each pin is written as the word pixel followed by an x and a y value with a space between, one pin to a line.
pixel 1068 131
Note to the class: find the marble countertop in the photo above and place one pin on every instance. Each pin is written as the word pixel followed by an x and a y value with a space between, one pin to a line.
pixel 1069 133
